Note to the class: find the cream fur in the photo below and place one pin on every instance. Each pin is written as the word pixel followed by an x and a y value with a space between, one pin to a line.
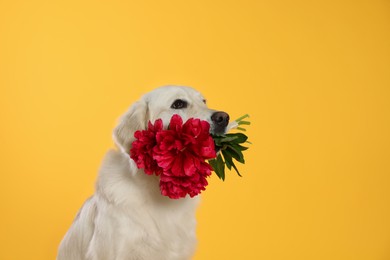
pixel 127 217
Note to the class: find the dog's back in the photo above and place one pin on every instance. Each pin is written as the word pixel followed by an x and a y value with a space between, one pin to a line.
pixel 76 241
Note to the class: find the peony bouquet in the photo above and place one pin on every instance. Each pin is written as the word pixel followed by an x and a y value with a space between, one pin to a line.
pixel 179 154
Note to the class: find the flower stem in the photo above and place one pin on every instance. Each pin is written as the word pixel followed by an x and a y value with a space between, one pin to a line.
pixel 244 123
pixel 241 129
pixel 241 118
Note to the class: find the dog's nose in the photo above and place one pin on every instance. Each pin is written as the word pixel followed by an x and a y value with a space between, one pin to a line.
pixel 220 118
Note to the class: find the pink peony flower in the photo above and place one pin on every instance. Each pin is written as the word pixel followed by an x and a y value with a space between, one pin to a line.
pixel 142 148
pixel 177 154
pixel 181 152
pixel 179 187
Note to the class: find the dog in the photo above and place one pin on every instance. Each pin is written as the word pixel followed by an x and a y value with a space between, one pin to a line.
pixel 127 218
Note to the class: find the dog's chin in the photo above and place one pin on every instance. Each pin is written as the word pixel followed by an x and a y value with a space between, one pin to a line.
pixel 218 130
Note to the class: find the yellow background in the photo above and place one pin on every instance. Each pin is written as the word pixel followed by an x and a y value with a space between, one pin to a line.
pixel 313 75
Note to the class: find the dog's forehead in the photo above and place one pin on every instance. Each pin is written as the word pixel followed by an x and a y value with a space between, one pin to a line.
pixel 171 93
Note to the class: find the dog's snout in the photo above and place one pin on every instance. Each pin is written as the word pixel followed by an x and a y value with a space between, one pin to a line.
pixel 220 118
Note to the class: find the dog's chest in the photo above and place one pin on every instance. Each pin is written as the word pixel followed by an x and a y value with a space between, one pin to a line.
pixel 153 232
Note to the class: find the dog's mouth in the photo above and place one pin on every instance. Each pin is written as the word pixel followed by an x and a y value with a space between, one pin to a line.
pixel 218 130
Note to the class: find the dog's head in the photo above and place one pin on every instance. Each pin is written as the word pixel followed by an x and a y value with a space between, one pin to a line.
pixel 163 103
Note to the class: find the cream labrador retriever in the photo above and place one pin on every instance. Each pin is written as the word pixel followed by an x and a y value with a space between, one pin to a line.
pixel 127 217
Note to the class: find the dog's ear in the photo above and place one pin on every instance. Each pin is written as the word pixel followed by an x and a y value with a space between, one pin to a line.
pixel 136 118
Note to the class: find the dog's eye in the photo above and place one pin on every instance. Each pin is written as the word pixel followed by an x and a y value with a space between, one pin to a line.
pixel 179 103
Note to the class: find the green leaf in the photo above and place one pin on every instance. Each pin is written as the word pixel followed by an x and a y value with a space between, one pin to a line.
pixel 219 141
pixel 213 164
pixel 218 166
pixel 236 153
pixel 235 168
pixel 229 161
pixel 221 167
pixel 239 137
pixel 228 138
pixel 240 147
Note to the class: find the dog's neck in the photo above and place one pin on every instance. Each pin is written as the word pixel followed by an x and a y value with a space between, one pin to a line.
pixel 120 182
